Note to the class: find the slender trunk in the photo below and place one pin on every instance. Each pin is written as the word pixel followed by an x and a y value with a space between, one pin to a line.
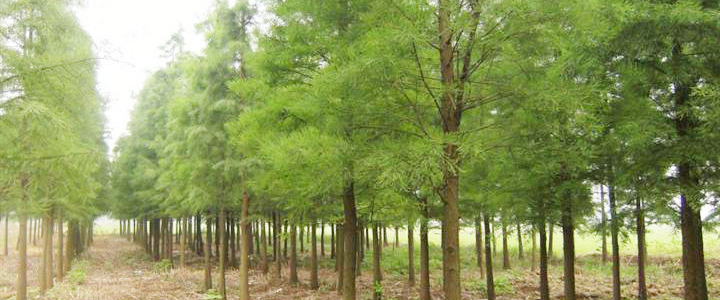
pixel 332 242
pixel 314 283
pixel 397 242
pixel 67 262
pixel 640 228
pixel 384 236
pixel 245 247
pixel 44 267
pixel 544 284
pixel 22 247
pixel 411 253
pixel 60 270
pixel 603 225
pixel 550 238
pixel 350 241
pixel 424 252
pixel 534 250
pixel 276 247
pixel 286 237
pixel 49 229
pixel 377 271
pixel 520 244
pixel 340 258
pixel 569 251
pixel 208 242
pixel 293 255
pixel 223 252
pixel 302 240
pixel 264 250
pixel 506 252
pixel 322 239
pixel 494 241
pixel 614 229
pixel 183 241
pixel 233 242
pixel 490 281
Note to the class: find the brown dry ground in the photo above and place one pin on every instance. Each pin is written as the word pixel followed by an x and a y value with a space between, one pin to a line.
pixel 116 269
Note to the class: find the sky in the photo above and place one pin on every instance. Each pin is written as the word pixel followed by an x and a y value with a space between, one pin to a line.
pixel 128 36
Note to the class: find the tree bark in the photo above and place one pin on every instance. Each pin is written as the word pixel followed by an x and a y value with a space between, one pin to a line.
pixel 293 255
pixel 506 253
pixel 22 247
pixel 223 252
pixel 340 258
pixel 43 266
pixel 350 241
pixel 550 238
pixel 520 244
pixel 314 283
pixel 377 271
pixel 276 247
pixel 245 247
pixel 614 231
pixel 322 239
pixel 640 228
pixel 603 225
pixel 264 250
pixel 424 251
pixel 544 284
pixel 60 270
pixel 568 251
pixel 489 279
pixel 183 241
pixel 332 242
pixel 7 220
pixel 208 242
pixel 411 253
pixel 49 229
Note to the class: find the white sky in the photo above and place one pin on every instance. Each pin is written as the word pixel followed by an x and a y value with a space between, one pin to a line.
pixel 128 35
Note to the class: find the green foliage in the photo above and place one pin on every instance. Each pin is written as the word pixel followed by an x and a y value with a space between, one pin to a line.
pixel 78 272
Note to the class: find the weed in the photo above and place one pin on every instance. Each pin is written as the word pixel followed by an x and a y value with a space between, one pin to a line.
pixel 211 294
pixel 78 272
pixel 163 266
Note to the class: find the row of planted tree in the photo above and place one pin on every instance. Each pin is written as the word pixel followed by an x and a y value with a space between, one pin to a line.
pixel 350 112
pixel 53 160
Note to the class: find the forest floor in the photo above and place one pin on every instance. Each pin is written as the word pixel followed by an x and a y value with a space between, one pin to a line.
pixel 114 269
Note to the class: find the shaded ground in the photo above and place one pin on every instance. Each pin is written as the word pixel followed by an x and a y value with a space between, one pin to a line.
pixel 117 269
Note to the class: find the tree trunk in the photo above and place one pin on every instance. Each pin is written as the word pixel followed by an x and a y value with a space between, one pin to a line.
pixel 397 242
pixel 183 241
pixel 264 250
pixel 384 237
pixel 223 252
pixel 245 247
pixel 233 242
pixel 43 265
pixel 377 271
pixel 350 241
pixel 603 225
pixel 614 229
pixel 506 253
pixel 411 253
pixel 544 284
pixel 60 269
pixel 534 250
pixel 314 283
pixel 494 241
pixel 322 239
pixel 332 242
pixel 550 238
pixel 208 242
pixel 22 247
pixel 640 228
pixel 49 229
pixel 340 258
pixel 490 281
pixel 690 199
pixel 302 241
pixel 276 247
pixel 424 252
pixel 569 251
pixel 293 255
pixel 520 244
pixel 450 112
pixel 67 260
